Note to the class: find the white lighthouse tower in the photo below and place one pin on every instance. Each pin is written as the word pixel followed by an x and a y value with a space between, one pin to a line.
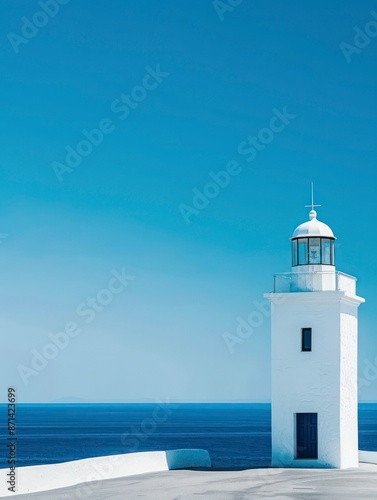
pixel 314 356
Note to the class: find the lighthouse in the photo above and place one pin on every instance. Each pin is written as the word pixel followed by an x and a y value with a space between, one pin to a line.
pixel 314 329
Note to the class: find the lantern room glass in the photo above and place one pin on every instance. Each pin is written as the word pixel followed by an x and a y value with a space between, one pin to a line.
pixel 294 253
pixel 302 251
pixel 316 250
pixel 326 251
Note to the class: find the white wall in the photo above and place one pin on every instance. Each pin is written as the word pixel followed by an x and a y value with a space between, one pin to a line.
pixel 322 381
pixel 348 386
pixel 47 477
pixel 369 457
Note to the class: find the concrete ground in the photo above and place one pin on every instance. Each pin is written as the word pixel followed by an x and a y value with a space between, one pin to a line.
pixel 277 484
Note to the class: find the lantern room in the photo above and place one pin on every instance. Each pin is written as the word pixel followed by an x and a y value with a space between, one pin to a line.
pixel 313 243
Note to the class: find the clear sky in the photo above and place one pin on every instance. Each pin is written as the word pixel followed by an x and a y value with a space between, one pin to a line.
pixel 177 88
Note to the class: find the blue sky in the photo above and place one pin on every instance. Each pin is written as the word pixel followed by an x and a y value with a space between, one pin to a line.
pixel 119 209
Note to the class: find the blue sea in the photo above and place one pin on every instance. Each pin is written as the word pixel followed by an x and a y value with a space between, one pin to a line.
pixel 236 435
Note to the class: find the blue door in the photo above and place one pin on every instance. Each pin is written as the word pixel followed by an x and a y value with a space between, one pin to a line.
pixel 306 435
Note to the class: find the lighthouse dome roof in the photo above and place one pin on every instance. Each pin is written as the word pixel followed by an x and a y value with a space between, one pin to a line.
pixel 313 227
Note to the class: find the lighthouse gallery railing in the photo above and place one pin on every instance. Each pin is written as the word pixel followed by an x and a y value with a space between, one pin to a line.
pixel 314 282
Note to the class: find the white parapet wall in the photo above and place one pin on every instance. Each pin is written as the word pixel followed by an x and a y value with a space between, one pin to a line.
pixel 48 477
pixel 368 457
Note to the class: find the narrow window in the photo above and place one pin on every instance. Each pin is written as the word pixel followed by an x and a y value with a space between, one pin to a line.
pixel 314 251
pixel 294 253
pixel 326 253
pixel 306 339
pixel 306 435
pixel 303 251
pixel 332 253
